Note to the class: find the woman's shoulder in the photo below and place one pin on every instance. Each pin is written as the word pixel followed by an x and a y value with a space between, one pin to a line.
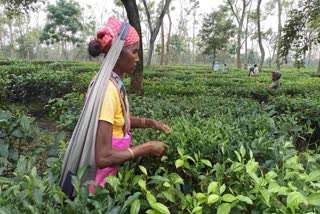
pixel 111 88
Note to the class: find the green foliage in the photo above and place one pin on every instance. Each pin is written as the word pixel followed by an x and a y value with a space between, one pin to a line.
pixel 15 7
pixel 15 133
pixel 66 109
pixel 301 31
pixel 217 28
pixel 236 146
pixel 41 80
pixel 63 23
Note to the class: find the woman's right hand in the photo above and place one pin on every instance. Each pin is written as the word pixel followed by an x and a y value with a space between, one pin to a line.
pixel 157 147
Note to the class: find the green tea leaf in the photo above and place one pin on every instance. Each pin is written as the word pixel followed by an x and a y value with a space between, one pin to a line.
pixel 159 179
pixel 228 198
pixel 238 156
pixel 213 198
pixel 142 184
pixel 176 179
pixel 180 151
pixel 151 199
pixel 168 195
pixel 274 187
pixel 143 170
pixel 224 208
pixel 242 151
pixel 314 175
pixel 244 199
pixel 166 184
pixel 206 162
pixel 133 198
pixel 135 207
pixel 314 199
pixel 213 187
pixel 265 196
pixel 296 198
pixel 197 210
pixel 222 188
pixel 17 133
pixel 161 208
pixel 201 198
pixel 179 163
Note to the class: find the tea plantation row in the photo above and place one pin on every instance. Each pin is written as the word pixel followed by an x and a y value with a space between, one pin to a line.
pixel 236 146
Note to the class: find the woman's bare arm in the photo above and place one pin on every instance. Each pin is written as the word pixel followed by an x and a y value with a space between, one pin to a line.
pixel 137 122
pixel 107 156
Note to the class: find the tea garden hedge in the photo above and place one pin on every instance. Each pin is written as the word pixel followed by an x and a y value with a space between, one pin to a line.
pixel 236 146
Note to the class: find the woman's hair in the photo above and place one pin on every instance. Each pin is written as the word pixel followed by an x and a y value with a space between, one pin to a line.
pixel 94 48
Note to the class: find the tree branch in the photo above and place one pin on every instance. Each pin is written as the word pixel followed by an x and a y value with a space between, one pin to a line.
pixel 234 12
pixel 148 16
pixel 159 22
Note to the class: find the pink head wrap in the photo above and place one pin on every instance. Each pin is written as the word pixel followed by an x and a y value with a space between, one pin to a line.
pixel 110 31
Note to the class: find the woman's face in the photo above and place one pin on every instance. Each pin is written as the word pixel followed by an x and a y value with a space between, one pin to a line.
pixel 128 58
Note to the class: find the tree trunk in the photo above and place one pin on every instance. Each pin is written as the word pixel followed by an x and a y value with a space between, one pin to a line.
pixel 239 30
pixel 12 51
pixel 309 54
pixel 246 36
pixel 136 80
pixel 64 50
pixel 162 45
pixel 162 42
pixel 193 35
pixel 318 70
pixel 279 33
pixel 1 44
pixel 168 39
pixel 259 35
pixel 154 31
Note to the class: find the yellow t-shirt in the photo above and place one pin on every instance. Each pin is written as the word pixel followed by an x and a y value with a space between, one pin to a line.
pixel 111 110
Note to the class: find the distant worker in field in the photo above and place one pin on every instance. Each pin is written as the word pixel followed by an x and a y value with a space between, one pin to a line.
pixel 107 140
pixel 225 68
pixel 276 75
pixel 251 71
pixel 256 69
pixel 216 66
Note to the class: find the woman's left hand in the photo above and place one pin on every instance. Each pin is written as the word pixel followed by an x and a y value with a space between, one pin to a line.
pixel 158 125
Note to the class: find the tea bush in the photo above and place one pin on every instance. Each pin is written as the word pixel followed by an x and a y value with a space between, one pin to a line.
pixel 236 146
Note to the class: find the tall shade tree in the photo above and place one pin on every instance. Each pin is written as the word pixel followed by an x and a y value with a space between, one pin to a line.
pixel 239 13
pixel 279 33
pixel 63 25
pixel 259 33
pixel 249 17
pixel 14 7
pixel 216 30
pixel 196 6
pixel 154 30
pixel 162 40
pixel 168 36
pixel 3 34
pixel 295 32
pixel 136 81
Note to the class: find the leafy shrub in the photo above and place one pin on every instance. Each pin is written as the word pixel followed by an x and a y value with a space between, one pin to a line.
pixel 236 146
pixel 15 133
pixel 66 110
